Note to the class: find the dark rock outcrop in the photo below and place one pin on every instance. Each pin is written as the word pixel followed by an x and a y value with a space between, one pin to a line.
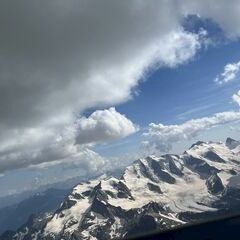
pixel 160 173
pixel 214 184
pixel 154 188
pixel 199 166
pixel 212 156
pixel 232 143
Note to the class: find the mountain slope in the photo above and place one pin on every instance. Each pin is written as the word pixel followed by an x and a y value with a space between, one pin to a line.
pixel 12 217
pixel 153 193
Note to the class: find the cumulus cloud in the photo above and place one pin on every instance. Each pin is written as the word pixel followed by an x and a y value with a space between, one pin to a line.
pixel 87 160
pixel 82 165
pixel 57 154
pixel 102 126
pixel 36 147
pixel 162 137
pixel 67 145
pixel 230 73
pixel 58 57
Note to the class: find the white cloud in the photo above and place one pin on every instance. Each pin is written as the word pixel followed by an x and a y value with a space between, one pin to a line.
pixel 82 54
pixel 58 58
pixel 82 165
pixel 84 158
pixel 61 151
pixel 230 73
pixel 102 126
pixel 236 97
pixel 162 137
pixel 38 147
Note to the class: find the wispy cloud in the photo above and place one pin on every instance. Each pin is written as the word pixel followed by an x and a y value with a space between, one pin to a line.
pixel 191 112
pixel 162 137
pixel 230 73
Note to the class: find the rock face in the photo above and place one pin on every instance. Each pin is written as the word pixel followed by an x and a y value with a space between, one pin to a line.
pixel 198 143
pixel 157 192
pixel 231 143
pixel 154 188
pixel 214 184
pixel 199 166
pixel 212 156
pixel 173 167
pixel 160 173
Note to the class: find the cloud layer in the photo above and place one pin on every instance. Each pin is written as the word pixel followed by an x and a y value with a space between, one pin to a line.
pixel 61 57
pixel 68 144
pixel 162 137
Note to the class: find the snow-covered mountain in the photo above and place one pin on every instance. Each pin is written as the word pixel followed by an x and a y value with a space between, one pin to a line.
pixel 157 192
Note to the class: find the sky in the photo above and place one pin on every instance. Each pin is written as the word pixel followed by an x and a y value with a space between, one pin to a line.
pixel 90 86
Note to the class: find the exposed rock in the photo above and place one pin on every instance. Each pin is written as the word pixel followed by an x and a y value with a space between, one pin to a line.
pixel 160 173
pixel 154 188
pixel 199 166
pixel 232 143
pixel 173 167
pixel 123 191
pixel 213 157
pixel 197 144
pixel 214 184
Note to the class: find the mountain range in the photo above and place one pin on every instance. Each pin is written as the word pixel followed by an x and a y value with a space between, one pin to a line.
pixel 154 193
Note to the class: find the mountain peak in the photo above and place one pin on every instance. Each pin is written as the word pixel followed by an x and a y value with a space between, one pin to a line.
pixel 198 143
pixel 159 191
pixel 232 143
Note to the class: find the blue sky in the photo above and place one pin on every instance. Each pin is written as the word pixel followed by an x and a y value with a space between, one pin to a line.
pixel 169 92
pixel 175 95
